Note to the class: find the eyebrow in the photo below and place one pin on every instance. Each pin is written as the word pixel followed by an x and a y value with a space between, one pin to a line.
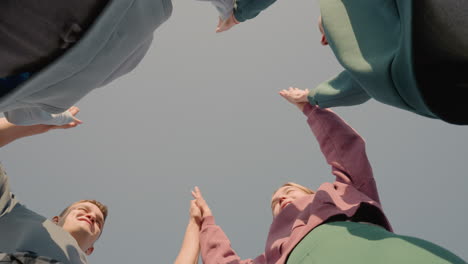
pixel 274 201
pixel 98 217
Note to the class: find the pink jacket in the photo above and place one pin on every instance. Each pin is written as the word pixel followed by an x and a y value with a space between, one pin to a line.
pixel 353 189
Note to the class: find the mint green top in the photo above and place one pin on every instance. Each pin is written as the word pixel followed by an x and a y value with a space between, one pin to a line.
pixel 22 230
pixel 372 40
pixel 360 243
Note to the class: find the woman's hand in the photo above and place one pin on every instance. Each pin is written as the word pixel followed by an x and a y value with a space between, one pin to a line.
pixel 296 96
pixel 227 24
pixel 39 129
pixel 195 212
pixel 10 132
pixel 200 203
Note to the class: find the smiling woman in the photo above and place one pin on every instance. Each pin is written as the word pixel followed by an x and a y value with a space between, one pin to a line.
pixel 342 216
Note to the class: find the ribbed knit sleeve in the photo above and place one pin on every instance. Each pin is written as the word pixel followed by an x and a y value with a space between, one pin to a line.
pixel 343 148
pixel 216 247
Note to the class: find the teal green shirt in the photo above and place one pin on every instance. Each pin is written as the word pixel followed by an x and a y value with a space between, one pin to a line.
pixel 372 40
pixel 248 9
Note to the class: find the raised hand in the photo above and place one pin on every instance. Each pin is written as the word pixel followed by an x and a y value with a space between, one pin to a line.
pixel 10 132
pixel 227 24
pixel 201 203
pixel 195 212
pixel 295 96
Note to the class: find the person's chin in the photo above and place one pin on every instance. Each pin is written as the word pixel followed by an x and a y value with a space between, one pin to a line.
pixel 84 225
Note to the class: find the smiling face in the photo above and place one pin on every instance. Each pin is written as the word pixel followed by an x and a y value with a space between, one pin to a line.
pixel 287 194
pixel 84 221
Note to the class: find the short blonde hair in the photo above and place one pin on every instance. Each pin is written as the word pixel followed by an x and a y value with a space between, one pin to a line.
pixel 99 205
pixel 293 184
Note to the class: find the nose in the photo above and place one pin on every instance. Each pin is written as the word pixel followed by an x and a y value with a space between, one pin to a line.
pixel 91 217
pixel 282 198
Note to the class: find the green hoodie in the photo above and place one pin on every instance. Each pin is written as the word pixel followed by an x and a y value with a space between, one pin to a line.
pixel 372 40
pixel 248 9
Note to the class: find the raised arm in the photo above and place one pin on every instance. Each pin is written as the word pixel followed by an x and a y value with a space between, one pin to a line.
pixel 341 145
pixel 342 90
pixel 248 9
pixel 35 115
pixel 190 249
pixel 10 132
pixel 214 244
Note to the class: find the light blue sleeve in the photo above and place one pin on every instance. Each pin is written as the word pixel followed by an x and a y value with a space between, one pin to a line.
pixel 35 115
pixel 342 90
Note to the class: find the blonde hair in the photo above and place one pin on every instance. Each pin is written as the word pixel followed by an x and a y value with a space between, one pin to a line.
pixel 293 184
pixel 99 205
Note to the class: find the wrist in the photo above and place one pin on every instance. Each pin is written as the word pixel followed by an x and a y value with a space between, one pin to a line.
pixel 301 106
pixel 194 222
pixel 234 19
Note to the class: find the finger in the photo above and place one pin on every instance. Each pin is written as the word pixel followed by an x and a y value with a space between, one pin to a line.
pixel 196 192
pixel 69 125
pixel 74 110
pixel 78 121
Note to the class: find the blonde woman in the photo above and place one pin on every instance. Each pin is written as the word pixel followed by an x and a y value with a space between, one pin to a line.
pixel 340 222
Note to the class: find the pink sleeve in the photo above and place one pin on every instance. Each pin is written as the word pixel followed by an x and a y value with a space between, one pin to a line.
pixel 343 149
pixel 216 247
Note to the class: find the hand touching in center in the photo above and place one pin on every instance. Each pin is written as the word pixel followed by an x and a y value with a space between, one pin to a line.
pixel 296 96
pixel 201 204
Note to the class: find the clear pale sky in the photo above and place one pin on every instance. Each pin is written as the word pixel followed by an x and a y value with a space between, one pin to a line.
pixel 203 109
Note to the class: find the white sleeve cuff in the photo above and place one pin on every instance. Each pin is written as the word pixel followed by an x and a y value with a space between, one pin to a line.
pixel 35 115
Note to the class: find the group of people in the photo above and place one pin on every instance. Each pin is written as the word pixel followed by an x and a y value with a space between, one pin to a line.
pixel 390 51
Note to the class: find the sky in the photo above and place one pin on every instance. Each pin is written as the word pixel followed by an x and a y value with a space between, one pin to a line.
pixel 202 109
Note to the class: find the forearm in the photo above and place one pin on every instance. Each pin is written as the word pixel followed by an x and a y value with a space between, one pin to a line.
pixel 10 132
pixel 190 249
pixel 215 246
pixel 343 149
pixel 342 90
pixel 35 115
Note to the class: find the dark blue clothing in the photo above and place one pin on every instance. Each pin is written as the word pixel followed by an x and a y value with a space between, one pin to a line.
pixel 9 83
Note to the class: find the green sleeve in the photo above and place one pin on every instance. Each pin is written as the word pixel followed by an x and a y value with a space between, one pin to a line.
pixel 248 9
pixel 342 90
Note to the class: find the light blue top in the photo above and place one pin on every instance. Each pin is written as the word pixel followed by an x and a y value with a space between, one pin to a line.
pixel 113 46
